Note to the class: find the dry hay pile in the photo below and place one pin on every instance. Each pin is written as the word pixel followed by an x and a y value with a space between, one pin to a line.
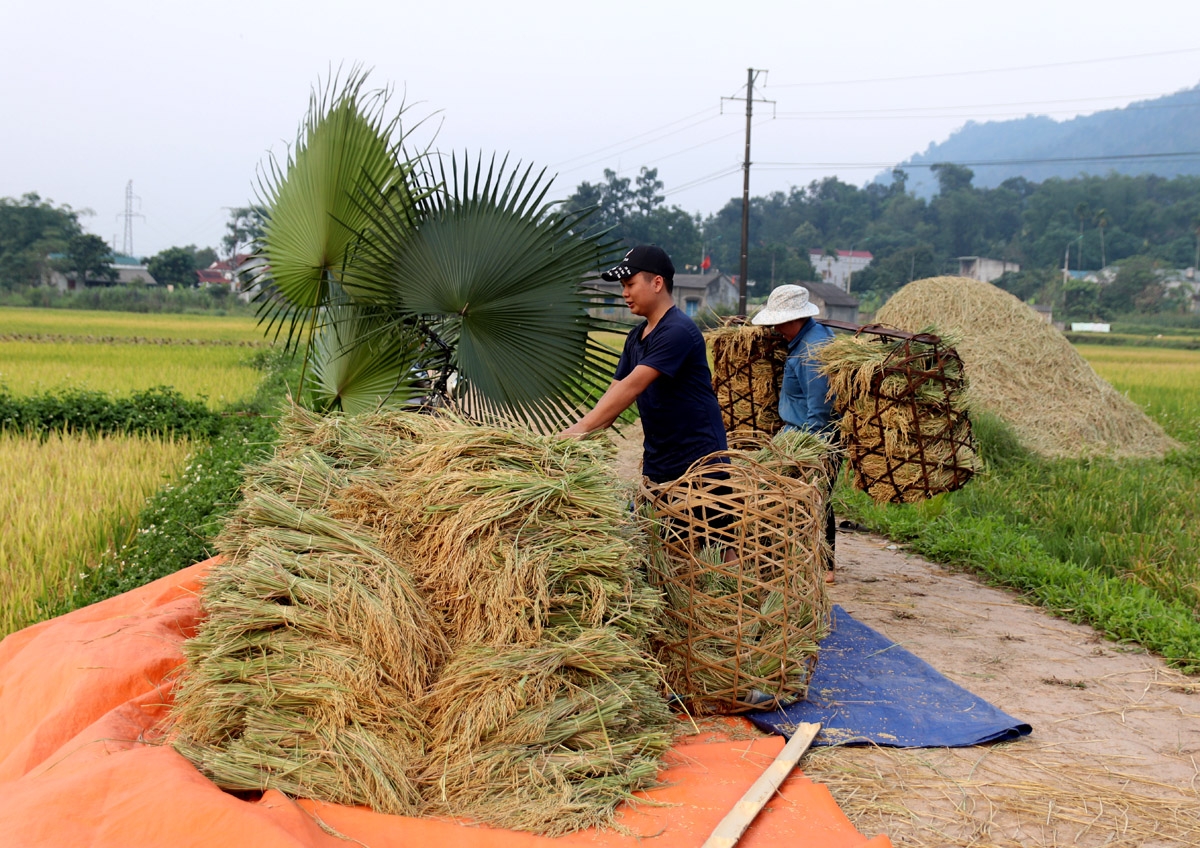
pixel 739 554
pixel 427 617
pixel 902 413
pixel 1026 372
pixel 747 374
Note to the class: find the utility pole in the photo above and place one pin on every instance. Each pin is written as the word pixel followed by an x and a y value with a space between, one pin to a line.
pixel 751 74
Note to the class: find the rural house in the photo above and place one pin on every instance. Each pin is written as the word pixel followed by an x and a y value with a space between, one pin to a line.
pixel 223 272
pixel 983 269
pixel 694 295
pixel 836 269
pixel 130 271
pixel 834 302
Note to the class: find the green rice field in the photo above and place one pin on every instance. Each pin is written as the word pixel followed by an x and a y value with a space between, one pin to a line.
pixel 222 375
pixel 49 350
pixel 75 497
pixel 58 322
pixel 1164 382
pixel 78 496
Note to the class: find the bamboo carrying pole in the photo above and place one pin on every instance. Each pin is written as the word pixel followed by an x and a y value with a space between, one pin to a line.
pixel 731 828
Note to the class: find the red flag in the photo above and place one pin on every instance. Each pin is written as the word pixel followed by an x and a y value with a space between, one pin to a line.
pixel 706 264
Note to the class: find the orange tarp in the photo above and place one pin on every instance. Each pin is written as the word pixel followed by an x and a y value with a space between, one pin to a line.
pixel 82 760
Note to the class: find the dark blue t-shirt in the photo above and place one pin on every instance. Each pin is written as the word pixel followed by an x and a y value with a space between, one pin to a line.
pixel 681 419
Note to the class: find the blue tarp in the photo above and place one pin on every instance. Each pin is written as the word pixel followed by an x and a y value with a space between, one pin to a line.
pixel 867 689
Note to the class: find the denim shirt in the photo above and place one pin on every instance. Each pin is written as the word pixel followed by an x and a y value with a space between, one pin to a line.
pixel 803 397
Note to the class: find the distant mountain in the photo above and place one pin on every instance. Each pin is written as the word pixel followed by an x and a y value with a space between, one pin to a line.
pixel 1169 124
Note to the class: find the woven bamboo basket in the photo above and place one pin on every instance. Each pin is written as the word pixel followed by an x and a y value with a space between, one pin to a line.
pixel 747 373
pixel 903 416
pixel 737 552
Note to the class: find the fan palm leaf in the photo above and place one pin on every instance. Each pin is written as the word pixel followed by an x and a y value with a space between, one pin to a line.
pixel 362 361
pixel 495 272
pixel 345 145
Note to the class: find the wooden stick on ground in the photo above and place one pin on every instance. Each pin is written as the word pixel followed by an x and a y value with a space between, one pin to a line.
pixel 731 828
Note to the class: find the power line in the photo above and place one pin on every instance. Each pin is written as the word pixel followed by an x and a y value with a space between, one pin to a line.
pixel 608 157
pixel 699 181
pixel 616 144
pixel 993 70
pixel 983 163
pixel 907 109
pixel 966 115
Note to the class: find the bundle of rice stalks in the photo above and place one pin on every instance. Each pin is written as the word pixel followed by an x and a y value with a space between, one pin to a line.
pixel 424 616
pixel 903 415
pixel 747 373
pixel 557 727
pixel 792 453
pixel 1026 372
pixel 738 553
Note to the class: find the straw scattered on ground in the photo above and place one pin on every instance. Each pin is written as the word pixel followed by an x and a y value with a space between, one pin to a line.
pixel 1001 796
pixel 1026 372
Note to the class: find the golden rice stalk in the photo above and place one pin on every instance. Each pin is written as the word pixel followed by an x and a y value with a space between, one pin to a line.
pixel 794 453
pixel 548 737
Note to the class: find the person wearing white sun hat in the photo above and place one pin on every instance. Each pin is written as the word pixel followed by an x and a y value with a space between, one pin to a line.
pixel 804 402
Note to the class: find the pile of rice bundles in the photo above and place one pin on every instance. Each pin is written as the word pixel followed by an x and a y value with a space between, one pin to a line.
pixel 902 411
pixel 739 553
pixel 429 618
pixel 747 374
pixel 1025 371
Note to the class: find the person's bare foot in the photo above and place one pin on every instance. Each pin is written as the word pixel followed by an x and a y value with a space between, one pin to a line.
pixel 829 576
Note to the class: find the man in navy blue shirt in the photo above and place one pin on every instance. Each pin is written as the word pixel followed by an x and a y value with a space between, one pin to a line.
pixel 664 369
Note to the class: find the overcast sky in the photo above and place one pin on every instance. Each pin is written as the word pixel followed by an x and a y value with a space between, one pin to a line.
pixel 188 100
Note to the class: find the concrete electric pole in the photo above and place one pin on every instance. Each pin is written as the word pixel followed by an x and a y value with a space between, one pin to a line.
pixel 751 76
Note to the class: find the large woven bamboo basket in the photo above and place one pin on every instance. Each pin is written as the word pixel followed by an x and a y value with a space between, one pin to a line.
pixel 737 553
pixel 901 398
pixel 747 374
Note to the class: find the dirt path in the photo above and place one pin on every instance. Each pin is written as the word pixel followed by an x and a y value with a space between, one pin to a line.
pixel 1112 756
pixel 1112 759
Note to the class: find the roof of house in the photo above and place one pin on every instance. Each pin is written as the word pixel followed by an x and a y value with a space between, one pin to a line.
pixel 699 281
pixel 831 295
pixel 210 275
pixel 845 254
pixel 231 264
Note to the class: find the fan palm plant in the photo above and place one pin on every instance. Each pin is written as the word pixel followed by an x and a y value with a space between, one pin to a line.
pixel 345 146
pixel 400 266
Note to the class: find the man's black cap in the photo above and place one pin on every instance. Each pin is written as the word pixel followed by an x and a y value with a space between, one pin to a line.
pixel 644 257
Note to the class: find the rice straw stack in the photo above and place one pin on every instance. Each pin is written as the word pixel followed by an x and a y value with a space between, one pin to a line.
pixel 428 617
pixel 903 414
pixel 747 373
pixel 1026 372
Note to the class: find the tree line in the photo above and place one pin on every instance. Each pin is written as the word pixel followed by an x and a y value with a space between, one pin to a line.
pixel 38 237
pixel 1139 223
